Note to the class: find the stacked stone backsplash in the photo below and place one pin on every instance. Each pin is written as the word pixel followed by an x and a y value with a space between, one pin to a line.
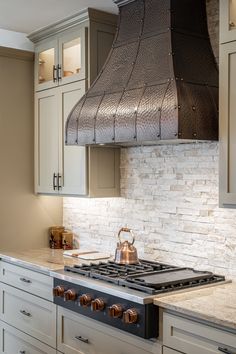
pixel 170 200
pixel 169 197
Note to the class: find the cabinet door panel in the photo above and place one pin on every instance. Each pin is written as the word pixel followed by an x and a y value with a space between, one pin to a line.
pixel 227 124
pixel 74 158
pixel 191 337
pixel 72 55
pixel 46 58
pixel 27 280
pixel 227 21
pixel 33 315
pixel 80 335
pixel 13 341
pixel 46 141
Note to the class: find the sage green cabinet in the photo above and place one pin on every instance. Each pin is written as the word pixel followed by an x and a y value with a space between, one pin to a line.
pixel 227 21
pixel 227 106
pixel 61 60
pixel 227 168
pixel 191 337
pixel 68 57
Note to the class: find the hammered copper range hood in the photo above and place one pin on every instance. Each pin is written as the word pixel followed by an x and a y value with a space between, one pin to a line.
pixel 160 81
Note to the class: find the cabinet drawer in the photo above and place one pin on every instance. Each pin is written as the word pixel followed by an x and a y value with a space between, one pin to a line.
pixel 80 335
pixel 27 280
pixel 192 337
pixel 14 341
pixel 170 351
pixel 29 313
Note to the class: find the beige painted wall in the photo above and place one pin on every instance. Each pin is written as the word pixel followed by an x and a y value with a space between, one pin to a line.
pixel 24 217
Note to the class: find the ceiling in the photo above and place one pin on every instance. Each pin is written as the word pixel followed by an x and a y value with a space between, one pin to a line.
pixel 29 15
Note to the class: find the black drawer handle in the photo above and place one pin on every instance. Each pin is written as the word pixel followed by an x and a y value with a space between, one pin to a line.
pixel 26 280
pixel 82 339
pixel 225 350
pixel 25 313
pixel 22 352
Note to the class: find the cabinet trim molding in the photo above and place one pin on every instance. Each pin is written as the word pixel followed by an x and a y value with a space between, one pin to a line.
pixel 72 21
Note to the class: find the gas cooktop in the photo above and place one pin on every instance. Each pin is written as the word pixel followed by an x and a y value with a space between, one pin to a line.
pixel 146 276
pixel 121 296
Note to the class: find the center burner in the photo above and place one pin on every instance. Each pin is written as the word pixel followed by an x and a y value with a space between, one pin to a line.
pixel 149 277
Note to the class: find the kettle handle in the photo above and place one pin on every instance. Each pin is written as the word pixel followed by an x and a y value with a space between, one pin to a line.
pixel 126 229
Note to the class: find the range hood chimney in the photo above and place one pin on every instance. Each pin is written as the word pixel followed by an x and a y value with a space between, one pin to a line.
pixel 160 81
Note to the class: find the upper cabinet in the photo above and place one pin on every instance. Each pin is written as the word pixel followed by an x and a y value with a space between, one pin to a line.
pixel 227 21
pixel 68 57
pixel 61 60
pixel 227 167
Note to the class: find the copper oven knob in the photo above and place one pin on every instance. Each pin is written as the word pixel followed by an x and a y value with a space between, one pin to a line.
pixel 130 316
pixel 85 300
pixel 70 295
pixel 58 291
pixel 115 311
pixel 97 304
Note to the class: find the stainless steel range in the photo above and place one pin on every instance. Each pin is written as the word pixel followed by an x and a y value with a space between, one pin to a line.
pixel 122 295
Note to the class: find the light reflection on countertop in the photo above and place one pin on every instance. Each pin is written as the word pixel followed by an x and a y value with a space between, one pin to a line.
pixel 42 260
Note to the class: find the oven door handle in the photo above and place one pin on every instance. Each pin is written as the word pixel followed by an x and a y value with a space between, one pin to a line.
pixel 82 339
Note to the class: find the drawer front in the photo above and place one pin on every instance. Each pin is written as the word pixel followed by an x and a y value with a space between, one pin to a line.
pixel 192 337
pixel 170 351
pixel 13 341
pixel 27 280
pixel 80 335
pixel 29 313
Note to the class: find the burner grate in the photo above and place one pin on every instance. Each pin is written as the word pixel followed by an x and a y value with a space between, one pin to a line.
pixel 146 276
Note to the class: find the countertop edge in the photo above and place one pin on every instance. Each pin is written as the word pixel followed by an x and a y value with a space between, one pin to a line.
pixel 24 264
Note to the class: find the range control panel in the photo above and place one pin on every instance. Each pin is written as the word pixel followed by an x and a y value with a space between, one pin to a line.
pixel 140 320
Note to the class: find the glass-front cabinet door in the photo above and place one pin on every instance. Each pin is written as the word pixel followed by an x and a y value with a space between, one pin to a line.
pixel 72 55
pixel 227 21
pixel 46 65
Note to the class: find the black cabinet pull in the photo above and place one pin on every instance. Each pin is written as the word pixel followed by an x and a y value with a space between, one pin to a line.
pixel 22 352
pixel 25 313
pixel 82 339
pixel 25 280
pixel 59 72
pixel 58 182
pixel 225 350
pixel 54 73
pixel 54 181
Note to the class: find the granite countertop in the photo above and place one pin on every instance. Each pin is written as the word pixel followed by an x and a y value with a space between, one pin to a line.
pixel 42 260
pixel 216 304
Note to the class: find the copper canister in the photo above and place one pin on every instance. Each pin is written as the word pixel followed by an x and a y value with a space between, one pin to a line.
pixel 67 240
pixel 55 236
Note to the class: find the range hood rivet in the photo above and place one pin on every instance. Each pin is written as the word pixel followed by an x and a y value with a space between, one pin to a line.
pixel 193 108
pixel 179 134
pixel 194 134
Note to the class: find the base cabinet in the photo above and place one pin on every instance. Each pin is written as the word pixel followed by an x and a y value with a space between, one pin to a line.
pixel 77 334
pixel 191 337
pixel 13 341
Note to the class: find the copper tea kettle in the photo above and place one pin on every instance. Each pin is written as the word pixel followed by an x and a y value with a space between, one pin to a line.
pixel 126 253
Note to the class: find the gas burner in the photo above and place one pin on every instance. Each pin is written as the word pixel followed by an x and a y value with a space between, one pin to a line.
pixel 146 276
